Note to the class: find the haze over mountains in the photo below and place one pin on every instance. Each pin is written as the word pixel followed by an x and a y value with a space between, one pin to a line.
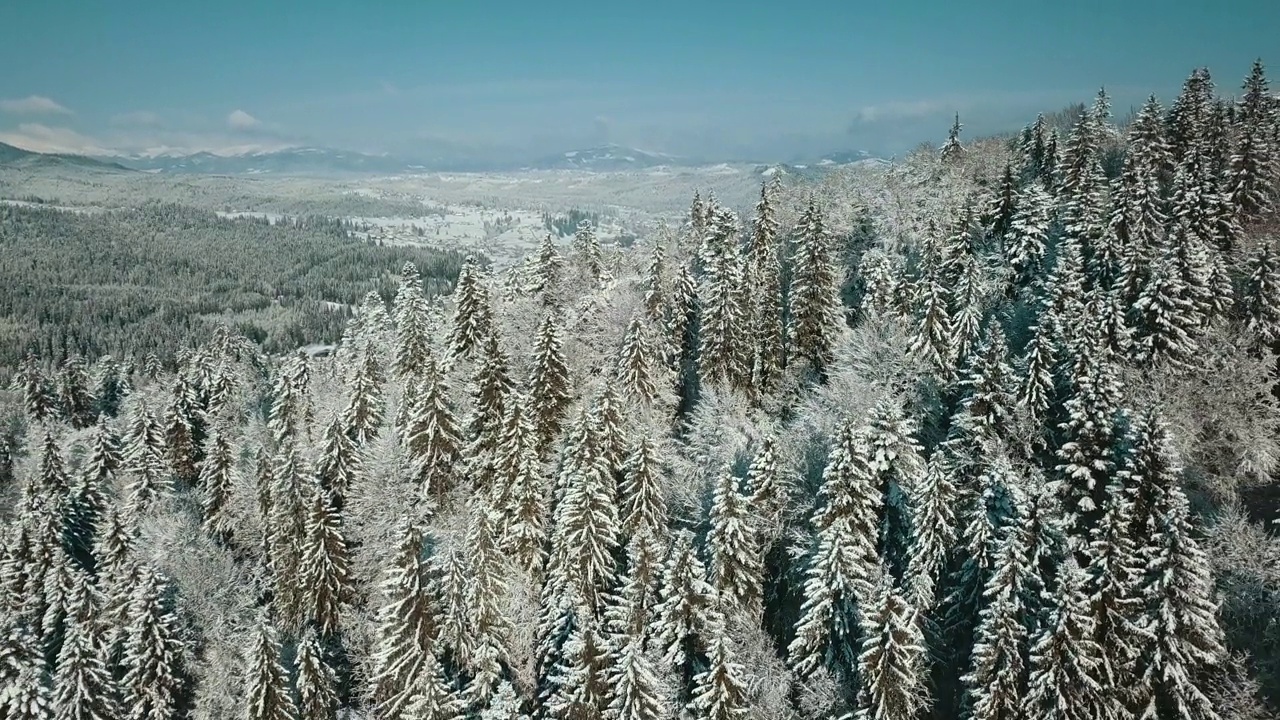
pixel 324 160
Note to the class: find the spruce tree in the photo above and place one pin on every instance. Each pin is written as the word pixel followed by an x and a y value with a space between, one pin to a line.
pixel 431 697
pixel 1167 320
pixel 266 681
pixel 548 387
pixel 996 679
pixel 412 318
pixel 687 615
pixel 764 280
pixel 737 564
pixel 217 477
pixel 952 150
pixel 643 502
pixel 586 248
pixel 89 495
pixel 406 627
pixel 722 354
pixel 324 566
pixel 719 692
pixel 83 686
pixel 431 436
pixel 892 660
pixel 364 411
pixel 37 394
pixel 580 679
pixel 473 317
pixel 1068 677
pixel 1260 303
pixel 932 341
pixel 490 387
pixel 1252 172
pixel 655 293
pixel 1025 239
pixel 143 460
pixel 338 466
pixel 816 312
pixel 632 608
pixel 548 268
pixel 934 530
pixel 316 680
pixel 636 695
pixel 586 525
pixel 768 492
pixel 638 364
pixel 153 680
pixel 23 692
pixel 77 404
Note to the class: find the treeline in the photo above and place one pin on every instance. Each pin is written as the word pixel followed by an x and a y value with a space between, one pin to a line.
pixel 151 280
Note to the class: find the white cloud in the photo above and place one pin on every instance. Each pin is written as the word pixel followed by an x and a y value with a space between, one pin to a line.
pixel 33 105
pixel 241 120
pixel 45 139
pixel 900 110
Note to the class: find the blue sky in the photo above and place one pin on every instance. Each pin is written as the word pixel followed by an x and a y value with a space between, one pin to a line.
pixel 710 79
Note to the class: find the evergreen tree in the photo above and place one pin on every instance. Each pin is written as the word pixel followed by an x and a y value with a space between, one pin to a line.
pixel 548 386
pixel 768 495
pixel 1036 389
pixel 682 317
pixel 217 476
pixel 431 697
pixel 1068 679
pixel 719 692
pixel 412 318
pixel 406 629
pixel 88 499
pixel 143 460
pixel 843 564
pixel 1024 245
pixel 317 683
pixel 505 704
pixel 586 526
pixel 1261 299
pixel 952 150
pixel 996 680
pixel 37 394
pixel 364 411
pixel 526 531
pixel 643 505
pixel 490 387
pixel 632 608
pixel 548 268
pixel 1252 172
pixel 84 688
pixel 637 369
pixel 724 323
pixel 432 437
pixel 636 695
pixel 737 564
pixel 1186 641
pixel 586 248
pixel 324 567
pixel 687 615
pixel 934 530
pixel 266 680
pixel 473 318
pixel 764 278
pixel 892 659
pixel 77 404
pixel 153 682
pixel 1166 319
pixel 932 341
pixel 338 466
pixel 655 294
pixel 816 313
pixel 23 692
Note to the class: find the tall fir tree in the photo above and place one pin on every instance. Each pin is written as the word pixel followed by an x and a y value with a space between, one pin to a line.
pixel 268 695
pixel 719 692
pixel 154 680
pixel 548 388
pixel 892 659
pixel 816 313
pixel 473 316
pixel 737 563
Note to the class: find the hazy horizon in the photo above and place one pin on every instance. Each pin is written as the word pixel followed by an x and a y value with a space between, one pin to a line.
pixel 511 80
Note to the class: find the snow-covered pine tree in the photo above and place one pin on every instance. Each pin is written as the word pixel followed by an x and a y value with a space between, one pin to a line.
pixel 1024 245
pixel 997 217
pixel 580 680
pixel 473 316
pixel 406 629
pixel 324 567
pixel 153 680
pixel 987 384
pixel 932 341
pixel 490 387
pixel 23 692
pixel 266 681
pixel 286 527
pixel 432 437
pixel 217 477
pixel 364 411
pixel 1166 319
pixel 952 150
pixel 722 351
pixel 816 313
pixel 487 587
pixel 87 501
pixel 891 663
pixel 610 427
pixel 843 565
pixel 316 680
pixel 996 681
pixel 430 695
pixel 412 323
pixel 643 502
pixel 1252 173
pixel 655 293
pixel 764 280
pixel 1138 218
pixel 457 629
pixel 586 527
pixel 181 421
pixel 586 250
pixel 1260 303
pixel 143 458
pixel 720 692
pixel 1068 676
pixel 933 530
pixel 505 704
pixel 638 364
pixel 37 393
pixel 768 495
pixel 548 269
pixel 687 614
pixel 1186 642
pixel 548 387
pixel 737 563
pixel 632 608
pixel 83 686
pixel 1086 454
pixel 72 388
pixel 525 533
pixel 682 317
pixel 636 693
pixel 339 465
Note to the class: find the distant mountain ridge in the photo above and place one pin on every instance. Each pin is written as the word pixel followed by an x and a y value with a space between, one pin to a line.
pixel 11 156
